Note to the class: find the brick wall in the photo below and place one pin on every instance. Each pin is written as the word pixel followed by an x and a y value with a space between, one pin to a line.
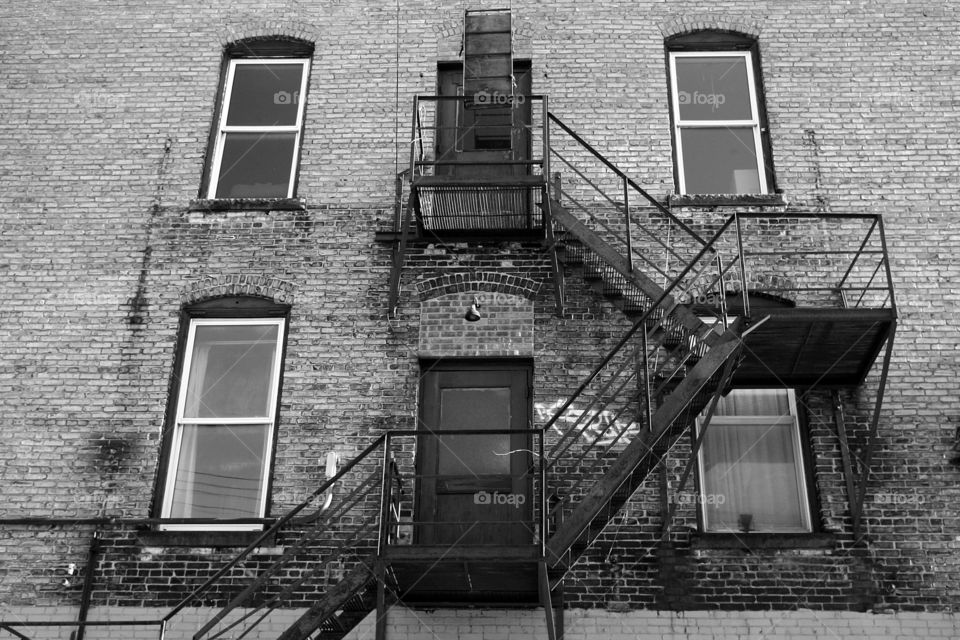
pixel 107 115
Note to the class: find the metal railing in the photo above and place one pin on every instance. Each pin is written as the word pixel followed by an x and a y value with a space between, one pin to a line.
pixel 651 239
pixel 515 508
pixel 838 260
pixel 441 135
pixel 321 545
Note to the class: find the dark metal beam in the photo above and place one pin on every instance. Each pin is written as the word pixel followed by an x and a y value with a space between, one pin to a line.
pixel 875 422
pixel 543 583
pixel 381 625
pixel 311 620
pixel 725 378
pixel 14 632
pixel 619 472
pixel 845 457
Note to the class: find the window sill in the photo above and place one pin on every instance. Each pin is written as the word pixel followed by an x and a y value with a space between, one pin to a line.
pixel 155 538
pixel 727 200
pixel 762 541
pixel 248 204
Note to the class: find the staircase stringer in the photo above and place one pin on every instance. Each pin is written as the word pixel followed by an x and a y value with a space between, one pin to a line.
pixel 687 319
pixel 619 473
pixel 359 578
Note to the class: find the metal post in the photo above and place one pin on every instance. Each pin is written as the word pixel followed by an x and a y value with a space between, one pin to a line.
pixel 386 481
pixel 743 268
pixel 840 424
pixel 546 143
pixel 415 136
pixel 648 399
pixel 92 558
pixel 875 422
pixel 541 453
pixel 381 624
pixel 626 219
pixel 886 262
pixel 722 293
pixel 725 377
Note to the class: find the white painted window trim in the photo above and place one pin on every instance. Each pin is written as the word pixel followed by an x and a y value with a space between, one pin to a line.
pixel 753 123
pixel 223 129
pixel 269 422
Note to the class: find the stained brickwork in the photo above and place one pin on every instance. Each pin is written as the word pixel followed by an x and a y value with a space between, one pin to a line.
pixel 107 114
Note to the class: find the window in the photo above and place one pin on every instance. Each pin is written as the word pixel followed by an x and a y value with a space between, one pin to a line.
pixel 219 450
pixel 720 134
pixel 751 468
pixel 259 124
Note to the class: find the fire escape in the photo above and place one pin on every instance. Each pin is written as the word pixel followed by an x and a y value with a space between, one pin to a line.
pixel 486 162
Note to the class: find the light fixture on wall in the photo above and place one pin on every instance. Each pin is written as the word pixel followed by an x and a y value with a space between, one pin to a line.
pixel 473 313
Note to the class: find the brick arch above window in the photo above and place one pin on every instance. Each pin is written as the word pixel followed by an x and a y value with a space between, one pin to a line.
pixel 238 284
pixel 694 22
pixel 243 29
pixel 479 281
pixel 269 46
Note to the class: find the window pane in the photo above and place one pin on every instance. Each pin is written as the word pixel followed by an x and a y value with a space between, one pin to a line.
pixel 220 471
pixel 256 165
pixel 265 95
pixel 755 402
pixel 476 408
pixel 713 88
pixel 231 372
pixel 720 160
pixel 750 472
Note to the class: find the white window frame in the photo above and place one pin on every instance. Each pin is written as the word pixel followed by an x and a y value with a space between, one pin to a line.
pixel 223 129
pixel 754 121
pixel 799 464
pixel 268 423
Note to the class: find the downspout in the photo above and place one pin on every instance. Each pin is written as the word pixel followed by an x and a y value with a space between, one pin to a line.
pixel 87 584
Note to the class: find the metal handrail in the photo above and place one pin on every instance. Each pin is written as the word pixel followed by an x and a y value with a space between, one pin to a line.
pixel 859 254
pixel 656 306
pixel 287 517
pixel 419 128
pixel 625 178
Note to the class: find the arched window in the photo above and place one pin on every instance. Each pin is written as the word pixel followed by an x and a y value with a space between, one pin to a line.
pixel 222 418
pixel 255 143
pixel 720 135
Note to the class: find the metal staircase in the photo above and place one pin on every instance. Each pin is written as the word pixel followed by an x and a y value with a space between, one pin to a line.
pixel 598 446
pixel 603 442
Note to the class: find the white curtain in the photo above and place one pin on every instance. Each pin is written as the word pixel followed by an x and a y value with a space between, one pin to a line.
pixel 186 478
pixel 196 381
pixel 751 468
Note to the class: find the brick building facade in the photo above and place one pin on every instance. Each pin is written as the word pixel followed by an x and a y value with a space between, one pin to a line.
pixel 125 237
